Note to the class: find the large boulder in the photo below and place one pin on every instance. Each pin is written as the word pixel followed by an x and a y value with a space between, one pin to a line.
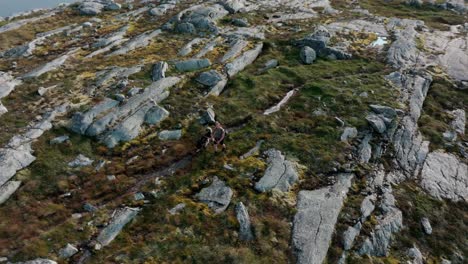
pixel 314 222
pixel 280 174
pixel 445 176
pixel 81 121
pixel 217 196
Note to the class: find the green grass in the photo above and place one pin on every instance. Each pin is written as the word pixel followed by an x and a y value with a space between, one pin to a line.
pixel 432 16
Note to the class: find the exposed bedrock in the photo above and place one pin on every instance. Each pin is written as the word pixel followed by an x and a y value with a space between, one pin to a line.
pixel 314 222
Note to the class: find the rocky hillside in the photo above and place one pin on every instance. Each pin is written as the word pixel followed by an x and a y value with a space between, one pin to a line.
pixel 346 134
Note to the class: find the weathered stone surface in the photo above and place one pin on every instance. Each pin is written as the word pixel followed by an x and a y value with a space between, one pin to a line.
pixel 243 61
pixel 376 123
pixel 253 151
pixel 199 19
pixel 348 133
pixel 19 23
pixel 50 66
pixel 350 234
pixel 217 196
pixel 403 52
pixel 90 8
pixel 7 84
pixel 114 73
pixel 81 121
pixel 59 140
pixel 170 134
pixel 390 222
pixel 155 115
pixel 283 101
pixel 38 261
pixel 80 161
pixel 18 153
pixel 139 41
pixel 133 110
pixel 161 9
pixel 365 149
pixel 233 6
pixel 426 225
pixel 280 173
pixel 120 218
pixel 416 255
pixel 444 176
pixel 187 49
pixel 176 209
pixel 209 78
pixel 307 55
pixel 68 251
pixel 7 189
pixel 458 122
pixel 208 117
pixel 192 65
pixel 367 206
pixel 314 222
pixel 245 227
pixel 237 45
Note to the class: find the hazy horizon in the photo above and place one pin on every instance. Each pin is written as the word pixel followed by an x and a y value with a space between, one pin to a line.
pixel 10 7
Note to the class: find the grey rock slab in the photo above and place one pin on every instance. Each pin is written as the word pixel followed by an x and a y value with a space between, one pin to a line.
pixel 104 77
pixel 159 71
pixel 170 134
pixel 377 123
pixel 81 121
pixel 139 41
pixel 367 206
pixel 187 49
pixel 233 6
pixel 243 60
pixel 426 224
pixel 80 161
pixel 403 52
pixel 7 84
pixel 270 64
pixel 253 151
pixel 68 251
pixel 209 78
pixel 350 235
pixel 314 222
pixel 119 219
pixel 50 66
pixel 390 222
pixel 217 196
pixel 445 176
pixel 90 8
pixel 154 93
pixel 459 121
pixel 416 255
pixel 245 227
pixel 348 133
pixel 307 55
pixel 156 115
pixel 280 174
pixel 19 23
pixel 208 117
pixel 236 47
pixel 192 65
pixel 7 189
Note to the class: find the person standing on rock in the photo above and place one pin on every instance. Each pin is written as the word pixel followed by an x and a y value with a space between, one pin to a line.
pixel 219 135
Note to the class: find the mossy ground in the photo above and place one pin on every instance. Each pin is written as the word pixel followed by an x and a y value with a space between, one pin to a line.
pixel 196 234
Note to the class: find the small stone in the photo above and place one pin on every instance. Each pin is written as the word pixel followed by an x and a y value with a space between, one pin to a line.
pixel 111 177
pixel 208 117
pixel 159 71
pixel 192 65
pixel 245 227
pixel 348 133
pixel 176 209
pixel 308 55
pixel 217 196
pixel 209 78
pixel 120 97
pixel 80 161
pixel 68 251
pixel 134 91
pixel 139 196
pixel 426 225
pixel 156 115
pixel 59 140
pixel 240 22
pixel 170 134
pixel 87 24
pixel 89 208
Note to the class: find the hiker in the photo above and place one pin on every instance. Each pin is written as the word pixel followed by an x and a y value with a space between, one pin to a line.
pixel 219 134
pixel 205 140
